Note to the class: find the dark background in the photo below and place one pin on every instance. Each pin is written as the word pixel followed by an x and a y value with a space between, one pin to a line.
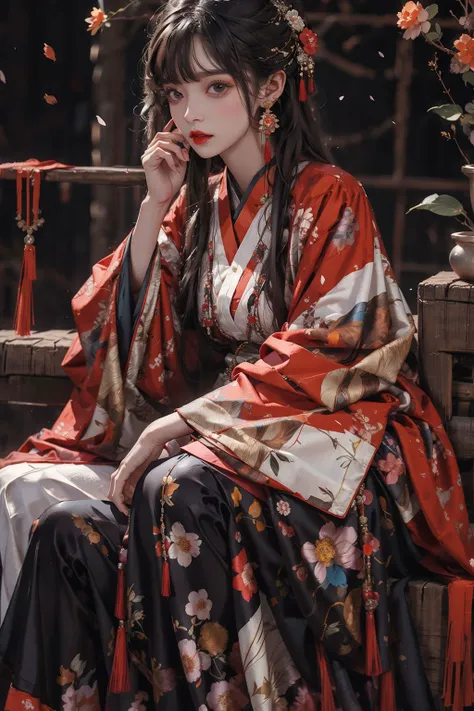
pixel 101 76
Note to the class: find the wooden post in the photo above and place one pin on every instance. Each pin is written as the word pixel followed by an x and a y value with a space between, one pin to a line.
pixel 107 221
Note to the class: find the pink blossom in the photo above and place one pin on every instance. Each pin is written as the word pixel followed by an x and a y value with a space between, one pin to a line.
pixel 283 508
pixel 184 546
pixel 85 698
pixel 304 701
pixel 199 605
pixel 192 660
pixel 392 466
pixel 332 553
pixel 225 697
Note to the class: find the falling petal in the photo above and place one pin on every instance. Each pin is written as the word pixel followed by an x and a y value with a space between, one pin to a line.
pixel 371 97
pixel 49 52
pixel 381 54
pixel 341 98
pixel 50 99
pixel 101 121
pixel 3 77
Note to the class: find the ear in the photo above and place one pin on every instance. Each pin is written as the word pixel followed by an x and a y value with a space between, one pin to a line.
pixel 273 88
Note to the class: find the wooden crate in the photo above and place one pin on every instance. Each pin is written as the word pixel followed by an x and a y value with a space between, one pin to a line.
pixel 446 342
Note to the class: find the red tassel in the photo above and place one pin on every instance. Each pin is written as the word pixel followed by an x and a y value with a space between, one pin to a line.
pixel 303 92
pixel 387 693
pixel 311 87
pixel 268 151
pixel 119 681
pixel 165 580
pixel 327 696
pixel 24 316
pixel 119 611
pixel 373 665
pixel 458 690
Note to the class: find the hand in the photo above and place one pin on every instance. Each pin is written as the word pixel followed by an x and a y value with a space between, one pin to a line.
pixel 147 449
pixel 124 480
pixel 165 163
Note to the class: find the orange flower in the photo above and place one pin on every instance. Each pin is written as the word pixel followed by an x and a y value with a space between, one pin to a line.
pixel 413 19
pixel 49 52
pixel 96 20
pixel 465 47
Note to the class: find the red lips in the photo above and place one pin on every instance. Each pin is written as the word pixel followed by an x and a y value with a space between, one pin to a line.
pixel 199 137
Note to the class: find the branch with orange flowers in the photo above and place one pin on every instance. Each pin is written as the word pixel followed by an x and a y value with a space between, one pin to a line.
pixel 418 21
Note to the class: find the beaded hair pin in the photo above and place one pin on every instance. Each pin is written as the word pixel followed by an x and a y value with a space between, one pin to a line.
pixel 306 45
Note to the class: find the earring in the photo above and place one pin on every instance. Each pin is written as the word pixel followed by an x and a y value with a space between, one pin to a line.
pixel 269 123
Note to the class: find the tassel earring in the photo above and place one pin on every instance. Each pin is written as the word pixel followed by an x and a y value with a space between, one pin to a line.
pixel 269 123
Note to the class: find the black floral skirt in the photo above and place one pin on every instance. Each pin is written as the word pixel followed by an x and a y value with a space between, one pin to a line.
pixel 258 587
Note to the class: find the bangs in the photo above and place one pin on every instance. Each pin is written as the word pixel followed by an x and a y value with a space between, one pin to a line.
pixel 175 60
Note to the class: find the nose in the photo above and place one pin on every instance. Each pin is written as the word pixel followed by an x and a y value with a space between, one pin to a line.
pixel 192 114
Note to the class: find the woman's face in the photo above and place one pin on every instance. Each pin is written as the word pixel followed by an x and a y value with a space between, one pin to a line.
pixel 211 113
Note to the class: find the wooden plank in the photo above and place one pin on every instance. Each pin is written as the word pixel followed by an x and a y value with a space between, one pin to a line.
pixel 32 390
pixel 457 316
pixel 38 354
pixel 436 375
pixel 19 355
pixel 463 391
pixel 461 434
pixel 131 177
pixel 432 329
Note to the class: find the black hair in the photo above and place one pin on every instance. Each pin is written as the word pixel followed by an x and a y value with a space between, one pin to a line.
pixel 239 36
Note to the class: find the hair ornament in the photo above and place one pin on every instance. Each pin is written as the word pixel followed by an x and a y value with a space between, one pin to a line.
pixel 306 42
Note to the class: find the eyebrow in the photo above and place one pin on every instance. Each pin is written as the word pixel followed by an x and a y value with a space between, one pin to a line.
pixel 203 75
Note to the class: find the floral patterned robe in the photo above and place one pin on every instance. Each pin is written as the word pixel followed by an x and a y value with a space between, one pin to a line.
pixel 306 417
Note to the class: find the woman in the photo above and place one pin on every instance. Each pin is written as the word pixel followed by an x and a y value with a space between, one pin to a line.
pixel 265 565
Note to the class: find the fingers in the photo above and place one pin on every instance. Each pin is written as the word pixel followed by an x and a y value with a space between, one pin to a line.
pixel 173 155
pixel 115 494
pixel 175 136
pixel 169 147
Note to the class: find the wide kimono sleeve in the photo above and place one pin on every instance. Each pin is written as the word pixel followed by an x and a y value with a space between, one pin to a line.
pixel 115 398
pixel 309 415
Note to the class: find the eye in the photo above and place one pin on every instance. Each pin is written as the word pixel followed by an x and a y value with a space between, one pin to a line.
pixel 173 95
pixel 219 87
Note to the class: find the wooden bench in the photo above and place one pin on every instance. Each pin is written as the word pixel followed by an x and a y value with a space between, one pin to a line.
pixel 33 386
pixel 30 368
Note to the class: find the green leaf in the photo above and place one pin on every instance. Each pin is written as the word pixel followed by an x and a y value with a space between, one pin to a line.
pixel 432 11
pixel 444 205
pixel 431 36
pixel 438 30
pixel 449 112
pixel 468 77
pixel 282 457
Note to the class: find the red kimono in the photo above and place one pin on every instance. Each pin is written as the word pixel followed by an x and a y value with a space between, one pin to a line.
pixel 309 411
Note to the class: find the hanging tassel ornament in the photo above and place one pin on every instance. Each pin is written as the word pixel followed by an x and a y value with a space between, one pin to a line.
pixel 458 691
pixel 24 315
pixel 303 94
pixel 165 570
pixel 387 692
pixel 327 695
pixel 373 664
pixel 269 123
pixel 119 681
